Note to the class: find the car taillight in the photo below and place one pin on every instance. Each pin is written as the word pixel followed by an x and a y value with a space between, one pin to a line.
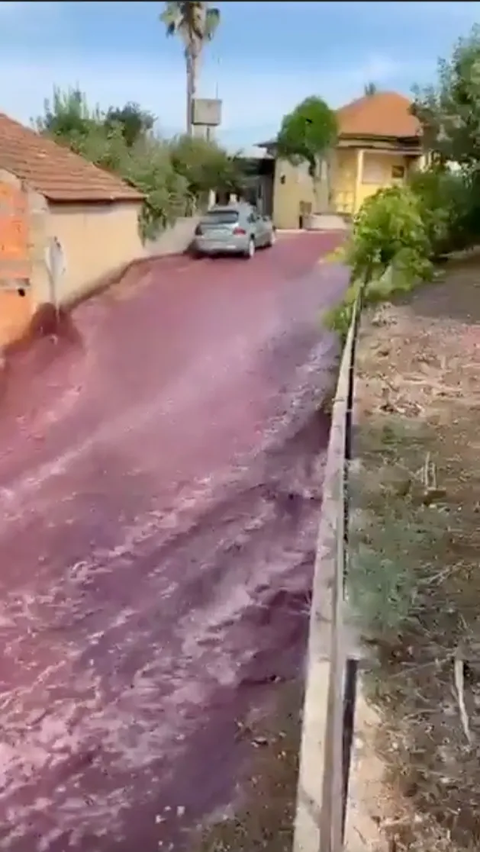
pixel 239 232
pixel 198 230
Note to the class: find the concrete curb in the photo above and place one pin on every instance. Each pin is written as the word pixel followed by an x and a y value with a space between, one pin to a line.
pixel 367 770
pixel 318 818
pixel 319 753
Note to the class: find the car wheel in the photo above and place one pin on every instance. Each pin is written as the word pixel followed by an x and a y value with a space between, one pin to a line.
pixel 250 249
pixel 272 240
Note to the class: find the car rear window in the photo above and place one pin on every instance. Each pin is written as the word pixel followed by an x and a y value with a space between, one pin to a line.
pixel 221 217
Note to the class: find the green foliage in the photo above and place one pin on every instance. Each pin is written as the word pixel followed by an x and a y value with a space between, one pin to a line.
pixel 380 289
pixel 134 122
pixel 204 165
pixel 450 208
pixel 450 110
pixel 150 169
pixel 195 22
pixel 386 590
pixel 307 133
pixel 173 174
pixel 400 231
pixel 389 229
pixel 389 251
pixel 68 118
pixel 436 190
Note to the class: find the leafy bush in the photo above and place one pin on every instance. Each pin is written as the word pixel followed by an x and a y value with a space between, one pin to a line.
pixel 388 251
pixel 450 208
pixel 174 175
pixel 389 229
pixel 149 167
pixel 436 192
pixel 204 165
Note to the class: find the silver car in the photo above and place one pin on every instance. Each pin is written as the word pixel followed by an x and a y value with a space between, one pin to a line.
pixel 233 229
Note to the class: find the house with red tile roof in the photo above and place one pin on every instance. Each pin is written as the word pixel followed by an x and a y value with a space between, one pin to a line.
pixel 65 224
pixel 379 144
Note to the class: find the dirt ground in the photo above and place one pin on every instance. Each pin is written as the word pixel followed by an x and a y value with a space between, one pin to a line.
pixel 414 575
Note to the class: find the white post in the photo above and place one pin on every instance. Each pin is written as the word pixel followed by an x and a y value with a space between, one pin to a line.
pixel 358 179
pixel 56 267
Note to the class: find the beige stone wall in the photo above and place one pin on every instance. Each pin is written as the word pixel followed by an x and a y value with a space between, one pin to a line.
pixel 40 281
pixel 175 239
pixel 97 239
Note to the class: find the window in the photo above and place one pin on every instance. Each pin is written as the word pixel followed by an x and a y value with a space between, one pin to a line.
pixel 374 170
pixel 398 172
pixel 220 217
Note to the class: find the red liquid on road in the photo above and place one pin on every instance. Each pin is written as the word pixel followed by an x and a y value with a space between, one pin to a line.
pixel 160 487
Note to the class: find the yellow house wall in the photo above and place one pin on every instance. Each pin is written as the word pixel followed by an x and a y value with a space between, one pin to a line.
pixel 349 190
pixel 383 164
pixel 344 180
pixel 292 186
pixel 97 239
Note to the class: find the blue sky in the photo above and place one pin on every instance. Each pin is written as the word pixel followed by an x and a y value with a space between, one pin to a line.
pixel 266 57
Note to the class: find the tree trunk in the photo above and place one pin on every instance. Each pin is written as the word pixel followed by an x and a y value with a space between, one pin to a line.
pixel 192 59
pixel 195 71
pixel 190 89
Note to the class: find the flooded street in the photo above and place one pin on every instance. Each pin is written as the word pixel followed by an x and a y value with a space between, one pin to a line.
pixel 160 485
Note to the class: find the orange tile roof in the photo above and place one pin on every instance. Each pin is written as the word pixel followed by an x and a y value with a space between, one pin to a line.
pixel 385 114
pixel 55 171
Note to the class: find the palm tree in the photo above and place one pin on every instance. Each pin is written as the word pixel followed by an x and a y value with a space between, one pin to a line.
pixel 196 24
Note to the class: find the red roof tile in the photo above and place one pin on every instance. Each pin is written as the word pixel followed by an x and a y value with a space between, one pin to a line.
pixel 385 114
pixel 54 170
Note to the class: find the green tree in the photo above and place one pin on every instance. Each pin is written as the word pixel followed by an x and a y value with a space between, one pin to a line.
pixel 121 141
pixel 449 111
pixel 149 167
pixel 68 118
pixel 308 134
pixel 195 23
pixel 173 174
pixel 133 121
pixel 205 166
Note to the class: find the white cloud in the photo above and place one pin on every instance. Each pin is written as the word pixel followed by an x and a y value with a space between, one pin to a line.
pixel 251 100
